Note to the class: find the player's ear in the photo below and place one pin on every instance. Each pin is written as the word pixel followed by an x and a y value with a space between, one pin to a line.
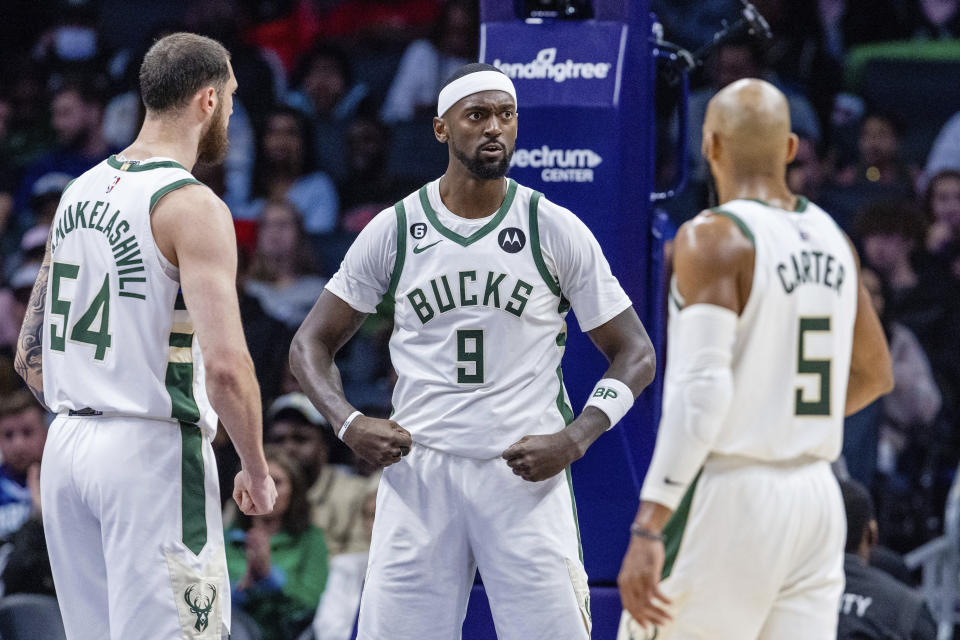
pixel 793 143
pixel 708 146
pixel 440 130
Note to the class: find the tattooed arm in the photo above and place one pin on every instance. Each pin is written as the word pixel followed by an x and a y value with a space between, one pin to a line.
pixel 29 361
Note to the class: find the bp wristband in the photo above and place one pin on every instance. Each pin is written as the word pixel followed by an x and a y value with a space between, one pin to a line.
pixel 612 397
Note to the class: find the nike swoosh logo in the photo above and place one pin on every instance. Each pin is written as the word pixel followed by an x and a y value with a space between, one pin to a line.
pixel 419 249
pixel 672 483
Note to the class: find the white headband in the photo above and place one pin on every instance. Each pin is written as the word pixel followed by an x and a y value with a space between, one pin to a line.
pixel 473 83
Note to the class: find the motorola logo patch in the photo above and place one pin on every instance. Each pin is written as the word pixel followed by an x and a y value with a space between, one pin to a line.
pixel 511 240
pixel 418 230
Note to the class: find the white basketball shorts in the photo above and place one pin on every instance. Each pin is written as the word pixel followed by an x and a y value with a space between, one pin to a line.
pixel 754 552
pixel 133 524
pixel 440 517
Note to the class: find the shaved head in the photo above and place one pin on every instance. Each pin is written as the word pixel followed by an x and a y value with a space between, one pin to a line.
pixel 746 131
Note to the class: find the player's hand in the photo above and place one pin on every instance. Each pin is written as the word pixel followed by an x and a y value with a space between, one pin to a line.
pixel 379 442
pixel 254 496
pixel 639 582
pixel 536 458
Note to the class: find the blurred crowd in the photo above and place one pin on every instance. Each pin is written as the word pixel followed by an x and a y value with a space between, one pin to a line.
pixel 331 124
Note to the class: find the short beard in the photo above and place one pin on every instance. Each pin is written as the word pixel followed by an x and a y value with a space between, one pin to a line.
pixel 214 142
pixel 484 169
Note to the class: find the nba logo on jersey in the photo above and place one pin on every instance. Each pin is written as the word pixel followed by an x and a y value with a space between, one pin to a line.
pixel 116 179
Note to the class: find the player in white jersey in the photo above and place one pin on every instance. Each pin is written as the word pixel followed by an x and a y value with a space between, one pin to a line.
pixel 133 338
pixel 480 273
pixel 772 341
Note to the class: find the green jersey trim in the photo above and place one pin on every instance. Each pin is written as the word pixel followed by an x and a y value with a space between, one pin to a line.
pixel 401 249
pixel 675 528
pixel 744 229
pixel 535 248
pixel 479 233
pixel 193 495
pixel 576 518
pixel 116 163
pixel 173 186
pixel 799 207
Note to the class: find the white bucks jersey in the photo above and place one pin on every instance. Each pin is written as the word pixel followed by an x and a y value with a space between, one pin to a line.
pixel 791 358
pixel 117 336
pixel 479 329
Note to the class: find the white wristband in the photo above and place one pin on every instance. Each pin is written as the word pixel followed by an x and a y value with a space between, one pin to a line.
pixel 346 423
pixel 612 397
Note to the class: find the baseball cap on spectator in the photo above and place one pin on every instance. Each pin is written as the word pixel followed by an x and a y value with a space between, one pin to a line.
pixel 35 238
pixel 21 282
pixel 297 403
pixel 50 184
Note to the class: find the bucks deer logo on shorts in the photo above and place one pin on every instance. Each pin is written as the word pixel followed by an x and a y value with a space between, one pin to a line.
pixel 200 598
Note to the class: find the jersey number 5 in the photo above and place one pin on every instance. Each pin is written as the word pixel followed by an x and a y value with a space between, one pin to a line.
pixel 810 366
pixel 82 331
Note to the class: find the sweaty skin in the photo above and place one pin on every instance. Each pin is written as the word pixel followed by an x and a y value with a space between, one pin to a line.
pixel 748 144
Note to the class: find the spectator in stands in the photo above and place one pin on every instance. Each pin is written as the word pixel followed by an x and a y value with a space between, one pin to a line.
pixel 282 274
pixel 915 401
pixel 267 337
pixel 847 23
pixel 45 196
pixel 945 152
pixel 286 29
pixel 23 432
pixel 368 187
pixel 732 61
pixel 809 172
pixel 942 203
pixel 278 562
pixel 76 116
pixel 380 23
pixel 71 43
pixel 874 605
pixel 936 20
pixel 324 90
pixel 427 63
pixel 29 134
pixel 799 54
pixel 879 155
pixel 258 81
pixel 8 183
pixel 285 170
pixel 16 296
pixel 335 496
pixel 920 291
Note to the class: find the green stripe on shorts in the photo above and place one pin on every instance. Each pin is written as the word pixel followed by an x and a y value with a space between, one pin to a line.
pixel 673 532
pixel 576 519
pixel 193 495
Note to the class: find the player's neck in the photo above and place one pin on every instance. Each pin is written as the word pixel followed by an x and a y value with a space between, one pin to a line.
pixel 769 189
pixel 469 197
pixel 165 139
